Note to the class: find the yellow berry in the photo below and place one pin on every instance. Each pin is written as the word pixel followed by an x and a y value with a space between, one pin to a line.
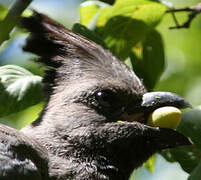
pixel 165 117
pixel 120 122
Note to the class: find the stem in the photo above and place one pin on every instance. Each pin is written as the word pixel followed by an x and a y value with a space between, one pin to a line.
pixel 194 11
pixel 12 18
pixel 175 19
pixel 179 10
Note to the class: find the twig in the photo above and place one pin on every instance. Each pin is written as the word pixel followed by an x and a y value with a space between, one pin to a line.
pixel 194 11
pixel 179 10
pixel 12 18
pixel 175 19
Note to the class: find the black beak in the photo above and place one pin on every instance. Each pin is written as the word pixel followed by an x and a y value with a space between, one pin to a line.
pixel 163 137
pixel 154 100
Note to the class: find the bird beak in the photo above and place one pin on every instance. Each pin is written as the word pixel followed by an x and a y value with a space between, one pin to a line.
pixel 150 102
pixel 154 100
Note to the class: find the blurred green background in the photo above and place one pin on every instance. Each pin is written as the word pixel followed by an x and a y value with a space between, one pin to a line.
pixel 182 74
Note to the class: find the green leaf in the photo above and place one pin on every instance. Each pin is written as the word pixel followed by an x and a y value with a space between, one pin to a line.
pixel 189 156
pixel 128 22
pixel 145 10
pixel 5 27
pixel 89 12
pixel 104 16
pixel 150 163
pixel 148 60
pixel 3 11
pixel 19 89
pixel 196 174
pixel 7 24
pixel 79 28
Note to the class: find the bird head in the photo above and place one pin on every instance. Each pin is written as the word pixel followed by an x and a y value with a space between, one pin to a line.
pixel 97 107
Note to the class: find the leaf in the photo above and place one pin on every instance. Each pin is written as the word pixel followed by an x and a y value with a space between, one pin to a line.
pixel 3 11
pixel 148 60
pixel 128 22
pixel 7 24
pixel 79 28
pixel 150 163
pixel 5 27
pixel 19 89
pixel 104 16
pixel 148 11
pixel 196 174
pixel 188 157
pixel 89 12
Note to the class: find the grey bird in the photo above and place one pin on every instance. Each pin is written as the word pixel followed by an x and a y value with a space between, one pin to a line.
pixel 78 135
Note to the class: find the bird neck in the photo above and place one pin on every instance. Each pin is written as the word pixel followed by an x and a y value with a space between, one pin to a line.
pixel 74 159
pixel 81 150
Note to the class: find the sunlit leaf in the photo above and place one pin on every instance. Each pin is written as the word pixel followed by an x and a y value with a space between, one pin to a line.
pixel 90 11
pixel 27 13
pixel 128 22
pixel 3 11
pixel 150 163
pixel 19 89
pixel 104 16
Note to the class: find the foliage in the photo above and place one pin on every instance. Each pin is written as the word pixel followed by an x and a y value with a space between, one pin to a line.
pixel 188 157
pixel 19 89
pixel 128 28
pixel 3 26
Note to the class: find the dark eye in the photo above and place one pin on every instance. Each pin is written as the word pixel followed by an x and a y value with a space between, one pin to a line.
pixel 105 98
pixel 109 102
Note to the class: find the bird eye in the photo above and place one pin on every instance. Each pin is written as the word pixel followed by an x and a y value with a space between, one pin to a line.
pixel 109 102
pixel 105 98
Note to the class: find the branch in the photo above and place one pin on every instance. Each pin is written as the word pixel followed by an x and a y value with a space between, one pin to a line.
pixel 12 18
pixel 194 11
